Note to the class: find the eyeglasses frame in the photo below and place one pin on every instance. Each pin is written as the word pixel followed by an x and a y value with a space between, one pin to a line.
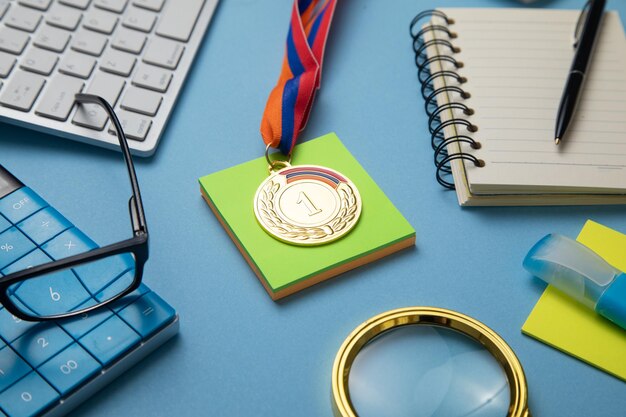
pixel 137 245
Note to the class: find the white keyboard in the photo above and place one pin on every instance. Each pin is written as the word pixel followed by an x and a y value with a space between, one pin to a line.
pixel 134 53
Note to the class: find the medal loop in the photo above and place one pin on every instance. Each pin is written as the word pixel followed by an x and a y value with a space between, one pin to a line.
pixel 275 164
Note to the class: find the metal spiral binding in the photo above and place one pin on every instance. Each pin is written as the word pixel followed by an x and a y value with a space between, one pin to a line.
pixel 436 127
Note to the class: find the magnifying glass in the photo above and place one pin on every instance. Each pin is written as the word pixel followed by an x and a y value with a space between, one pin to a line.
pixel 427 362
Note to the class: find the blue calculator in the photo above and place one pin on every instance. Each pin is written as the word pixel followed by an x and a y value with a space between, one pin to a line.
pixel 47 369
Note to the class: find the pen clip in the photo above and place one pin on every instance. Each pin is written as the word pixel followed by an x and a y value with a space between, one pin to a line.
pixel 579 24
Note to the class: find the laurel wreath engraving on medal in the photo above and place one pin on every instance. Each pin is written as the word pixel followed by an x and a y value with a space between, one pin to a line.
pixel 347 213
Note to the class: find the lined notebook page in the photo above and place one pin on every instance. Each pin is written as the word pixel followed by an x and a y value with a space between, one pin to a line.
pixel 516 62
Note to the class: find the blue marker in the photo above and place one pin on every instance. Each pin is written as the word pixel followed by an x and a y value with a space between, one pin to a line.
pixel 579 272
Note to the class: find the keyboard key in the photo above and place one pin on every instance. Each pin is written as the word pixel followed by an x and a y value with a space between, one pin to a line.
pixel 12 327
pixel 22 91
pixel 89 42
pixel 139 19
pixel 20 204
pixel 23 18
pixel 79 326
pixel 39 61
pixel 36 4
pixel 79 4
pixel 177 22
pixel 117 62
pixel 13 245
pixel 63 17
pixel 52 39
pixel 34 258
pixel 58 99
pixel 70 368
pixel 151 77
pixel 164 53
pixel 148 314
pixel 135 126
pixel 100 21
pixel 110 340
pixel 116 6
pixel 97 275
pixel 47 223
pixel 41 343
pixel 109 87
pixel 4 224
pixel 28 397
pixel 4 6
pixel 78 65
pixel 154 5
pixel 12 368
pixel 129 40
pixel 69 243
pixel 7 62
pixel 13 41
pixel 141 101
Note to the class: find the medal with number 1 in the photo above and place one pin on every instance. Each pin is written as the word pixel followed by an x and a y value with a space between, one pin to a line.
pixel 308 204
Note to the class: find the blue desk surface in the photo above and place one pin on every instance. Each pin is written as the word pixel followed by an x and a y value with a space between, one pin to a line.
pixel 241 354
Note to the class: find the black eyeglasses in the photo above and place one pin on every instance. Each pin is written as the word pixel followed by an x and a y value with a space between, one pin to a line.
pixel 48 291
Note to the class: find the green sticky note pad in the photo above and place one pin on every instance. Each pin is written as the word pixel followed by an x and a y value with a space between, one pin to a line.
pixel 283 268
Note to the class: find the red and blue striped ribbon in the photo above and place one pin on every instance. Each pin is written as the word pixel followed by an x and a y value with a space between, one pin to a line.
pixel 289 104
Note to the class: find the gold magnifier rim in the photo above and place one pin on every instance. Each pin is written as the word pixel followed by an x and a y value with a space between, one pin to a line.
pixel 342 406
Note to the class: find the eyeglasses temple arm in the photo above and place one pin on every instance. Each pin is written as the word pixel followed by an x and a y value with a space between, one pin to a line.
pixel 137 216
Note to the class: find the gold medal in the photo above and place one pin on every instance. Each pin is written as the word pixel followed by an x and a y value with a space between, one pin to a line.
pixel 307 205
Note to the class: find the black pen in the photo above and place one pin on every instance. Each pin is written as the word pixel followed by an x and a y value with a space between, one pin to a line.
pixel 592 16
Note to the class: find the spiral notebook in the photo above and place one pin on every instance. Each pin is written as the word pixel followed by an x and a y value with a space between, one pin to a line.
pixel 492 80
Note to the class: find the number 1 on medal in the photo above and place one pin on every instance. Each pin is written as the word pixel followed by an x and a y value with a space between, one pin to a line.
pixel 303 198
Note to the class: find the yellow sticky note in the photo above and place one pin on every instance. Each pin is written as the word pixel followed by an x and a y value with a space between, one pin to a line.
pixel 561 322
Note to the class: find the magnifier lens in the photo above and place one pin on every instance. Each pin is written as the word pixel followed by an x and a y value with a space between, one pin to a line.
pixel 427 371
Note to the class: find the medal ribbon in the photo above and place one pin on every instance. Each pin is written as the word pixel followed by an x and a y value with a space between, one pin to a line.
pixel 289 104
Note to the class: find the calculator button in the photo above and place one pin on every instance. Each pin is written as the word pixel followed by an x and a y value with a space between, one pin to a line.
pixel 69 368
pixel 116 287
pixel 52 294
pixel 71 242
pixel 12 367
pixel 44 225
pixel 28 397
pixel 98 274
pixel 148 314
pixel 13 245
pixel 12 327
pixel 20 204
pixel 110 340
pixel 127 299
pixel 36 257
pixel 79 326
pixel 41 343
pixel 4 224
